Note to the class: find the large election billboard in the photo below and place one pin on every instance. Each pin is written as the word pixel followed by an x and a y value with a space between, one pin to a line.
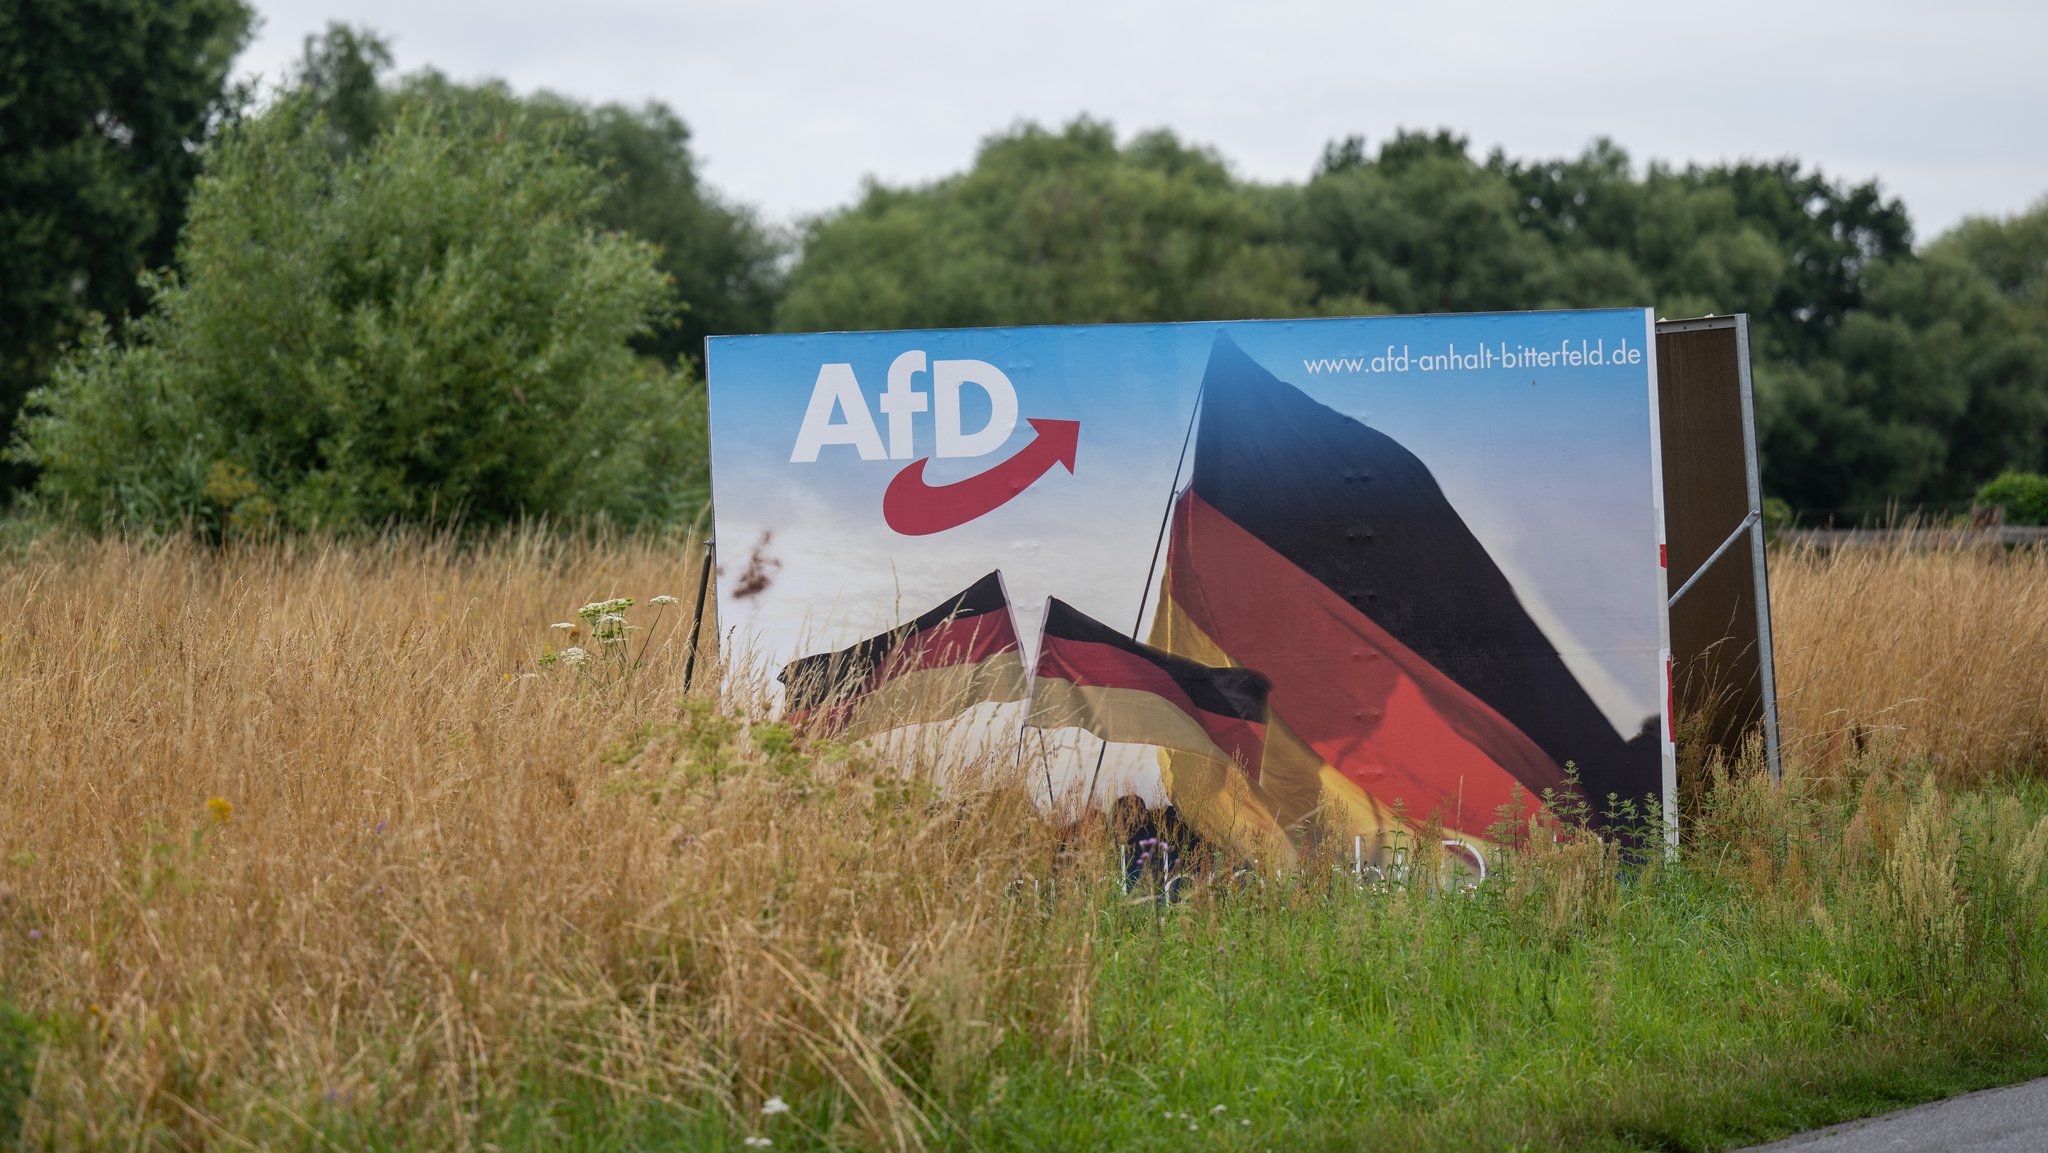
pixel 1283 574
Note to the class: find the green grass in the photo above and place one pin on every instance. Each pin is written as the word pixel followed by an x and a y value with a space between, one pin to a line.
pixel 1682 1025
pixel 1660 1007
pixel 17 1066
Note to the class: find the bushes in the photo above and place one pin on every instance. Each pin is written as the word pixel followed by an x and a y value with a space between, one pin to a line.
pixel 431 329
pixel 2023 496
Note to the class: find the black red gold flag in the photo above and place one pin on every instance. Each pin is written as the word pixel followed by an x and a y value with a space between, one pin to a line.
pixel 1092 677
pixel 932 668
pixel 1404 666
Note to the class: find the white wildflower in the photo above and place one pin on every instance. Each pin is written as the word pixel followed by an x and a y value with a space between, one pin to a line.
pixel 1219 1109
pixel 662 600
pixel 596 609
pixel 757 1142
pixel 574 657
pixel 566 625
pixel 774 1105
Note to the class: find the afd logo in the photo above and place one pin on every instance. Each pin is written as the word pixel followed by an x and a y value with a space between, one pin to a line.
pixel 839 414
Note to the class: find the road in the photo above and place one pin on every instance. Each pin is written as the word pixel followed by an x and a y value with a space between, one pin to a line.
pixel 2009 1120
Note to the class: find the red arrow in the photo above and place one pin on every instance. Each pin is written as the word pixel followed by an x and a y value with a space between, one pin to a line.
pixel 915 508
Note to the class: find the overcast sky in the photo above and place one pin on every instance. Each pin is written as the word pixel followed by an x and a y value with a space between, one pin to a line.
pixel 794 104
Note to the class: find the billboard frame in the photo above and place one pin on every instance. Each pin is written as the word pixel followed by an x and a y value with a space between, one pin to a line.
pixel 1750 526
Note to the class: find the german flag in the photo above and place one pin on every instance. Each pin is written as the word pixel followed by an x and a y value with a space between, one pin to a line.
pixel 1092 677
pixel 933 668
pixel 1404 668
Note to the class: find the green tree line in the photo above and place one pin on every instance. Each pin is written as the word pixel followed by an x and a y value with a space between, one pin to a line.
pixel 367 297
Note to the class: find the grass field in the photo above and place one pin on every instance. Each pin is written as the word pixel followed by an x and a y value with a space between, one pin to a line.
pixel 302 848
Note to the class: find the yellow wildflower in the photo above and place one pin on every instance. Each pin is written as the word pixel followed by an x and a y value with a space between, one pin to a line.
pixel 222 810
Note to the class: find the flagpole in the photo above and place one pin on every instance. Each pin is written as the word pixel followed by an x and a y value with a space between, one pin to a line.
pixel 1044 757
pixel 1158 542
pixel 705 568
pixel 1045 762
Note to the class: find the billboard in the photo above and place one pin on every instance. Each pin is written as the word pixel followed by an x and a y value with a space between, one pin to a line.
pixel 1287 575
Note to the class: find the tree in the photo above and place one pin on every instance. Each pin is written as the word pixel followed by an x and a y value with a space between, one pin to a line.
pixel 103 106
pixel 724 263
pixel 2012 253
pixel 1421 229
pixel 339 81
pixel 430 329
pixel 1831 234
pixel 1424 227
pixel 1051 227
pixel 1930 388
pixel 726 266
pixel 1881 376
pixel 1788 246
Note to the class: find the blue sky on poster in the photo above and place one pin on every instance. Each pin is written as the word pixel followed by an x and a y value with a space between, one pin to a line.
pixel 1549 467
pixel 794 104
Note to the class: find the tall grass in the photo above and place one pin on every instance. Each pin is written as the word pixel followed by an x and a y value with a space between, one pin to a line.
pixel 302 848
pixel 1927 643
pixel 442 865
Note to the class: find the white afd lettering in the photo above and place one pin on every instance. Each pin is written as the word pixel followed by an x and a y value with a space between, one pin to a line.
pixel 947 377
pixel 838 412
pixel 837 390
pixel 902 401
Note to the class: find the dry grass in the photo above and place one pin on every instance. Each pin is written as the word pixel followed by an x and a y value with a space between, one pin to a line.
pixel 1935 647
pixel 441 862
pixel 450 876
